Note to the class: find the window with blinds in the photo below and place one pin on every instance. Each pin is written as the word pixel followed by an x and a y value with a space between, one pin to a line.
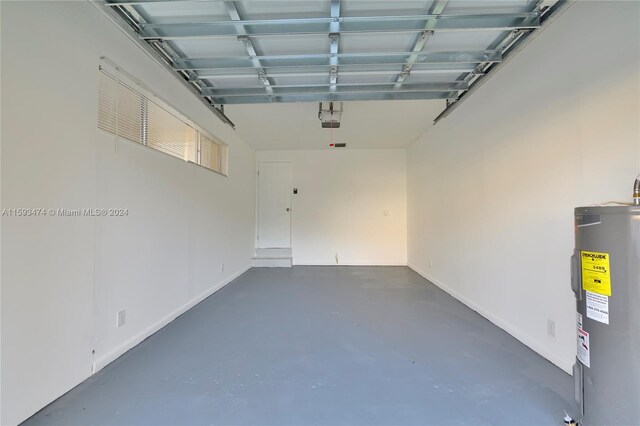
pixel 169 134
pixel 107 87
pixel 119 108
pixel 132 115
pixel 209 154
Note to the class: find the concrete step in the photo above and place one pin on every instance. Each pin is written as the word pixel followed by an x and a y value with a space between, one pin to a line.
pixel 273 252
pixel 271 262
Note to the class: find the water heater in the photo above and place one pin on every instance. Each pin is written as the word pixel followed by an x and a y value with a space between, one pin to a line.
pixel 606 281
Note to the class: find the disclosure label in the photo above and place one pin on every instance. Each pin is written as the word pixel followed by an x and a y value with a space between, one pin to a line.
pixel 583 348
pixel 579 319
pixel 596 276
pixel 598 307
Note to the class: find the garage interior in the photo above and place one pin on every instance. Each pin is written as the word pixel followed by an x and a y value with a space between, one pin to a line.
pixel 305 212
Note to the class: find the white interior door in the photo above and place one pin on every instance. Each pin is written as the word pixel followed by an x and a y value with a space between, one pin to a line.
pixel 274 205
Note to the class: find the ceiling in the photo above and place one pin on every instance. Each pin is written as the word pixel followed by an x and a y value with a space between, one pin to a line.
pixel 365 124
pixel 290 55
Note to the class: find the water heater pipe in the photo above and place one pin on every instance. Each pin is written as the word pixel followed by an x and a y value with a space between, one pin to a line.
pixel 636 191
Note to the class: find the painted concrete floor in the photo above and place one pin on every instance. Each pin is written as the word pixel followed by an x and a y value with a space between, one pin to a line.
pixel 323 346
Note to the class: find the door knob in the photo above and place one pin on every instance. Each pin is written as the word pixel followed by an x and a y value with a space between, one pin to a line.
pixel 288 209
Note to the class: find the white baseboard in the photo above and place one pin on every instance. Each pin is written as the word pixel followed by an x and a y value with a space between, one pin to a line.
pixel 103 361
pixel 532 343
pixel 348 264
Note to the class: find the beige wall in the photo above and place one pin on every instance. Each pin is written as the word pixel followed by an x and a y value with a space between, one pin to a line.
pixel 340 205
pixel 492 187
pixel 490 193
pixel 65 278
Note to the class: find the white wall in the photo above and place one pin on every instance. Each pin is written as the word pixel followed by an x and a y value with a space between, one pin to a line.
pixel 365 124
pixel 339 208
pixel 492 187
pixel 184 221
pixel 491 191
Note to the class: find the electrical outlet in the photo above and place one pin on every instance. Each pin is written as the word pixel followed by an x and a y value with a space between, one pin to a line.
pixel 222 267
pixel 121 318
pixel 551 327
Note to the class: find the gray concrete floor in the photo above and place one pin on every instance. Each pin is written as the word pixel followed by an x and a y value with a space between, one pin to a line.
pixel 323 346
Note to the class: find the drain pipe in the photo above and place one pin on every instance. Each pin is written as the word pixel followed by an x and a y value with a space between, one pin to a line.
pixel 636 191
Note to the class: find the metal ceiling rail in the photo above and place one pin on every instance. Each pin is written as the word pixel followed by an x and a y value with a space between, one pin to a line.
pixel 335 97
pixel 167 51
pixel 159 57
pixel 343 73
pixel 510 46
pixel 314 74
pixel 339 88
pixel 463 68
pixel 348 25
pixel 248 44
pixel 139 2
pixel 334 44
pixel 322 59
pixel 421 40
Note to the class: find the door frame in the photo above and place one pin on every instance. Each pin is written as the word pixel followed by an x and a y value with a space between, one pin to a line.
pixel 290 199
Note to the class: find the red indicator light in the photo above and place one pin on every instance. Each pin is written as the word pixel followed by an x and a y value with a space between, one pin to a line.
pixel 332 145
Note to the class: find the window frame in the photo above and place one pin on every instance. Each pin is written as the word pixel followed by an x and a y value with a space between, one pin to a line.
pixel 112 70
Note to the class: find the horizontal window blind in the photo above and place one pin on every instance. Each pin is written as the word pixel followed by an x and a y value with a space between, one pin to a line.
pixel 107 87
pixel 119 108
pixel 209 154
pixel 170 135
pixel 129 106
pixel 127 113
pixel 224 159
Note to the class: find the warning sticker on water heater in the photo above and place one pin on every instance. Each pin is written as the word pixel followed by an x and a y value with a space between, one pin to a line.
pixel 598 307
pixel 596 276
pixel 583 348
pixel 579 319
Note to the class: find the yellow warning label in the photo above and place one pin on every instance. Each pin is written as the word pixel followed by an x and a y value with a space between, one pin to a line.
pixel 596 276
